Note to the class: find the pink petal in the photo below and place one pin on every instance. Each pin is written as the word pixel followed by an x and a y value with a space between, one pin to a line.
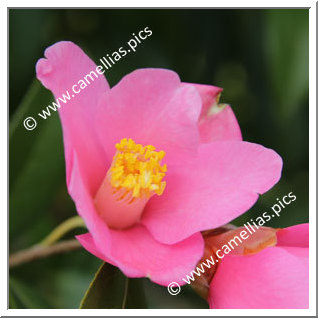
pixel 277 277
pixel 217 121
pixel 151 107
pixel 88 243
pixel 209 95
pixel 65 64
pixel 224 182
pixel 297 236
pixel 134 251
pixel 85 207
pixel 221 124
pixel 137 254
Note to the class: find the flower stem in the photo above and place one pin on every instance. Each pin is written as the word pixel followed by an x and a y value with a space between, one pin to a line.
pixel 38 252
pixel 48 245
pixel 62 229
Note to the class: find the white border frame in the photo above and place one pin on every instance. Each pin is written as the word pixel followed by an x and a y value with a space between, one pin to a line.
pixel 312 158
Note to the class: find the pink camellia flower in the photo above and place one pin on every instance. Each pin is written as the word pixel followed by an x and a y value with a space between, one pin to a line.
pixel 152 162
pixel 269 270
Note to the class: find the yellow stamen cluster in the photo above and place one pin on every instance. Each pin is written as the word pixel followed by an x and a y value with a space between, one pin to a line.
pixel 137 169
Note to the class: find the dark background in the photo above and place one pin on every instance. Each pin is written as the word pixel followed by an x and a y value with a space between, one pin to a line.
pixel 259 57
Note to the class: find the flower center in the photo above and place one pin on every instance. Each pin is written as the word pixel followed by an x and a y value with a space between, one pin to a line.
pixel 136 171
pixel 136 174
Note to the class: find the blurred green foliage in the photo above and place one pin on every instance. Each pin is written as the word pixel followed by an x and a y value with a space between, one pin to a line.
pixel 259 57
pixel 111 289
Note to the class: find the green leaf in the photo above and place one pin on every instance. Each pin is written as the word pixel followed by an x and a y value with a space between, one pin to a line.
pixel 20 139
pixel 36 169
pixel 13 302
pixel 136 298
pixel 158 297
pixel 112 290
pixel 23 296
pixel 286 50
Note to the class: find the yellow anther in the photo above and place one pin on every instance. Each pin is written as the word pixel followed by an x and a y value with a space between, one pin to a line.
pixel 137 169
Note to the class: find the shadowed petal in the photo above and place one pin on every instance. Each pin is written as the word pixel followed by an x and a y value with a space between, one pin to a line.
pixel 217 121
pixel 297 236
